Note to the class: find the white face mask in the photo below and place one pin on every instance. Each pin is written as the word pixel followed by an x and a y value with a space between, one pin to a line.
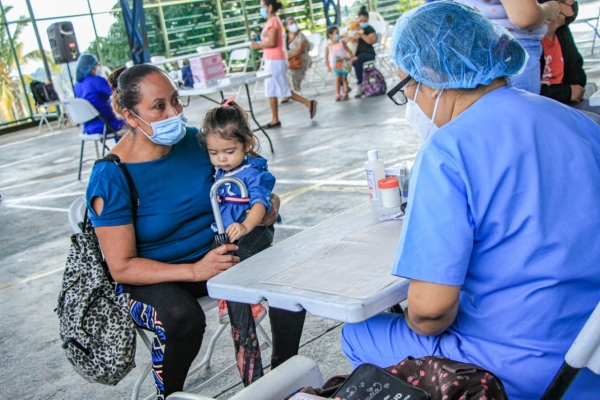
pixel 418 120
pixel 293 28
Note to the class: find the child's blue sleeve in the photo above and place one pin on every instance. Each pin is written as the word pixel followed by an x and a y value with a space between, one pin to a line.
pixel 260 187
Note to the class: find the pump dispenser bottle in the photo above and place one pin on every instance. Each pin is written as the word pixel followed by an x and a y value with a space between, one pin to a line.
pixel 375 171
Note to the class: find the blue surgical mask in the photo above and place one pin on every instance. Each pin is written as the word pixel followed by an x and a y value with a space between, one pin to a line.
pixel 167 132
pixel 337 38
pixel 264 13
pixel 363 25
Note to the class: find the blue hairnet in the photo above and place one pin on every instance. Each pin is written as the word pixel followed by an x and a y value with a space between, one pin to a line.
pixel 447 45
pixel 86 64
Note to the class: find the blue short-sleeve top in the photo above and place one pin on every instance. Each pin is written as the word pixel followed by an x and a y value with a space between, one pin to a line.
pixel 174 214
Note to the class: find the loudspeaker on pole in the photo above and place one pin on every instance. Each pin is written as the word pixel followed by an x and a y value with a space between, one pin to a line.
pixel 63 42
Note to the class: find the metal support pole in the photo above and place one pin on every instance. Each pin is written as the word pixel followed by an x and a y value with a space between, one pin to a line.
pixel 14 51
pixel 312 15
pixel 221 23
pixel 163 27
pixel 100 57
pixel 39 41
pixel 248 35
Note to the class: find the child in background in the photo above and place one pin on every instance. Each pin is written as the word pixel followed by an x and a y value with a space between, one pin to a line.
pixel 337 56
pixel 232 146
pixel 353 28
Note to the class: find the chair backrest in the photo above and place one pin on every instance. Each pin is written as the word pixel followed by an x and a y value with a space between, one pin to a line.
pixel 374 16
pixel 585 350
pixel 315 40
pixel 80 110
pixel 238 58
pixel 77 213
pixel 202 49
pixel 590 89
pixel 379 26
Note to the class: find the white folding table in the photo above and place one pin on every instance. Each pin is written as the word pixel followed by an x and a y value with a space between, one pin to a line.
pixel 217 50
pixel 234 81
pixel 242 283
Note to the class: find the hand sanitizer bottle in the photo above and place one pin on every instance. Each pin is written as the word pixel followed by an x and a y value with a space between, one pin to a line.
pixel 375 171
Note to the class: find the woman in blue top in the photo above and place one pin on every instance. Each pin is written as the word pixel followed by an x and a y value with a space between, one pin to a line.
pixel 162 254
pixel 500 234
pixel 97 91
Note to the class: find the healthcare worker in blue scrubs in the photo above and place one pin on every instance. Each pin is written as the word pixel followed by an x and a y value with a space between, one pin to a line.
pixel 96 90
pixel 500 238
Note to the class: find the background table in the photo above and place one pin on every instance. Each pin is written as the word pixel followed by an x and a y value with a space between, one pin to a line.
pixel 251 77
pixel 205 53
pixel 242 282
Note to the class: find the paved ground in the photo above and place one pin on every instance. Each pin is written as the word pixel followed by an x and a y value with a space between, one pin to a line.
pixel 318 168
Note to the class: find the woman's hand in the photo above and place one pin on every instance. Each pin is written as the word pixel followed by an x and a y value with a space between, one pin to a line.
pixel 236 231
pixel 271 217
pixel 214 262
pixel 255 45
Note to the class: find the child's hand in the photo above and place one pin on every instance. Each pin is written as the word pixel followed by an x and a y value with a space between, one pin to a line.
pixel 235 231
pixel 329 68
pixel 354 59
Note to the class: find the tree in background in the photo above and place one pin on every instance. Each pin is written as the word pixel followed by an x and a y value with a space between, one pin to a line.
pixel 12 99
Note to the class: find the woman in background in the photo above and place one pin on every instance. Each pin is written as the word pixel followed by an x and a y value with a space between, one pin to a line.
pixel 95 89
pixel 274 55
pixel 298 59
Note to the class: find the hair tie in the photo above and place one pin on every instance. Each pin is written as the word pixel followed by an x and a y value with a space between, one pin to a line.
pixel 228 102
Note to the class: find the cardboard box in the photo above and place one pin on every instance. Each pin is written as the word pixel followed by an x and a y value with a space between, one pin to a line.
pixel 207 68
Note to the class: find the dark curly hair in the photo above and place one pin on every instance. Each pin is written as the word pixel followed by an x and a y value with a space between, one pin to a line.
pixel 229 122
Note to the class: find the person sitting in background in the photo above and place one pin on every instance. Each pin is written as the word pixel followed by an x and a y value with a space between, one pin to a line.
pixel 298 58
pixel 365 50
pixel 563 77
pixel 95 89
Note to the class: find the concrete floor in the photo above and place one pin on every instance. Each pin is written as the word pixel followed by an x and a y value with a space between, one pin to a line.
pixel 319 170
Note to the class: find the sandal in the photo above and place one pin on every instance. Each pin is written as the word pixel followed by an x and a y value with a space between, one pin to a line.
pixel 345 96
pixel 338 97
pixel 313 108
pixel 270 125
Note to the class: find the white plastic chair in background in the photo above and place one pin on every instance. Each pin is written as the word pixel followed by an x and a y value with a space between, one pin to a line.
pixel 129 64
pixel 81 111
pixel 296 373
pixel 590 89
pixel 583 353
pixel 154 59
pixel 317 52
pixel 202 49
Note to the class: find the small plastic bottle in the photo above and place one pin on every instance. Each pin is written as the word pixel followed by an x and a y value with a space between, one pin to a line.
pixel 390 195
pixel 375 171
pixel 404 181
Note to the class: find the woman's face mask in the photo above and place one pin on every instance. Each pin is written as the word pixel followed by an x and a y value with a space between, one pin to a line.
pixel 337 37
pixel 418 120
pixel 264 13
pixel 363 25
pixel 167 132
pixel 293 28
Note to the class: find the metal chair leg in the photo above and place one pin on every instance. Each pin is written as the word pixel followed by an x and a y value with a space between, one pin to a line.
pixel 80 160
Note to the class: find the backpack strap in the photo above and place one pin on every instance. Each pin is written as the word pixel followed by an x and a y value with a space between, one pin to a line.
pixel 135 200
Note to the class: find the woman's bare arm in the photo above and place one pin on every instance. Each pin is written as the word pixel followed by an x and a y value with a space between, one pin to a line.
pixel 528 14
pixel 271 40
pixel 119 248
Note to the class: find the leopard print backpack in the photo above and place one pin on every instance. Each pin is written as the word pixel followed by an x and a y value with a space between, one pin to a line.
pixel 96 330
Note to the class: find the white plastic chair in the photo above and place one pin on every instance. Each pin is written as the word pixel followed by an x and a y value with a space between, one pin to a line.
pixel 583 353
pixel 238 60
pixel 317 53
pixel 590 89
pixel 155 59
pixel 289 377
pixel 202 49
pixel 81 111
pixel 129 64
